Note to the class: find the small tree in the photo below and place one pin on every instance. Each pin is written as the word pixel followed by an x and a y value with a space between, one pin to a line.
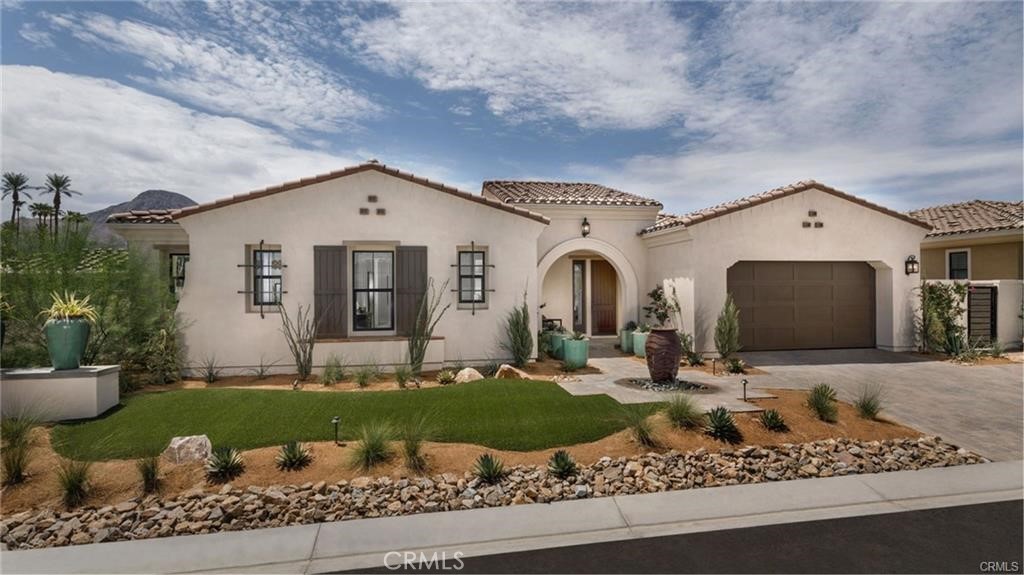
pixel 301 337
pixel 662 307
pixel 518 336
pixel 727 330
pixel 427 317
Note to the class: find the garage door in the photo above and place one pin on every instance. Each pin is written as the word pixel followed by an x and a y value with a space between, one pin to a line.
pixel 804 305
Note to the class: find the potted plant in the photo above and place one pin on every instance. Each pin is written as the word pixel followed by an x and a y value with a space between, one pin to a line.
pixel 558 337
pixel 575 350
pixel 626 337
pixel 640 339
pixel 67 327
pixel 662 348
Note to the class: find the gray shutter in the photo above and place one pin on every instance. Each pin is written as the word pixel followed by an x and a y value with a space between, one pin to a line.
pixel 410 285
pixel 330 293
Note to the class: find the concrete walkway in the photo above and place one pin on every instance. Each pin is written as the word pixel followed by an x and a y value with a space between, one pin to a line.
pixel 978 407
pixel 369 543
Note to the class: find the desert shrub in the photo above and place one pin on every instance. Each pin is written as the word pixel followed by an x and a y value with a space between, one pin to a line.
pixel 735 365
pixel 403 373
pixel 334 370
pixel 691 356
pixel 822 401
pixel 489 469
pixel 73 476
pixel 543 345
pixel 640 427
pixel 721 425
pixel 458 365
pixel 16 433
pixel 209 371
pixel 518 335
pixel 373 447
pixel 562 465
pixel 300 335
pixel 938 325
pixel 163 357
pixel 293 456
pixel 413 433
pixel 772 420
pixel 365 374
pixel 869 401
pixel 262 371
pixel 446 377
pixel 224 464
pixel 996 348
pixel 727 329
pixel 429 313
pixel 149 473
pixel 489 369
pixel 683 412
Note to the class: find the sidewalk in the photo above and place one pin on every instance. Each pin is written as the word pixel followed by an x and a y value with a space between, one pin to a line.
pixel 362 544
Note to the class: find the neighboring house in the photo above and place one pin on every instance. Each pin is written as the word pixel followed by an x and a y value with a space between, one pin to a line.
pixel 982 242
pixel 809 266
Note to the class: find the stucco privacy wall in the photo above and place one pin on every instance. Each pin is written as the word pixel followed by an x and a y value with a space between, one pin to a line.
pixel 214 314
pixel 773 231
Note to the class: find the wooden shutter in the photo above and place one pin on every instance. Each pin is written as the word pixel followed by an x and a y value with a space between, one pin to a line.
pixel 410 285
pixel 330 293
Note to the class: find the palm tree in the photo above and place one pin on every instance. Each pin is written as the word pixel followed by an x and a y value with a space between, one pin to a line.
pixel 15 185
pixel 74 219
pixel 59 185
pixel 41 211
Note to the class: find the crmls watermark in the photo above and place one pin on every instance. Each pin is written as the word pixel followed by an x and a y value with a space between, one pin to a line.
pixel 414 561
pixel 999 567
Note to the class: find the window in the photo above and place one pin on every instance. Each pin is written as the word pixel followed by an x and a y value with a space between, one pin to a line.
pixel 178 263
pixel 958 265
pixel 373 291
pixel 266 277
pixel 579 305
pixel 472 286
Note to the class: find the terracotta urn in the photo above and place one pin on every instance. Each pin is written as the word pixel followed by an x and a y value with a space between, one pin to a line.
pixel 663 354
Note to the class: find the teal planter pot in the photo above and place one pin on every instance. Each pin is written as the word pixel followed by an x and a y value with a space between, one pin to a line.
pixel 576 352
pixel 557 345
pixel 640 343
pixel 65 340
pixel 626 340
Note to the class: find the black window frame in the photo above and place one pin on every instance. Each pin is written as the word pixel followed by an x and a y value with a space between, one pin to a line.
pixel 257 276
pixel 356 291
pixel 472 276
pixel 966 269
pixel 174 287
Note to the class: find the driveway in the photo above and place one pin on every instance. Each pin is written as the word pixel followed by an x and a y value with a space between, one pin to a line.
pixel 976 407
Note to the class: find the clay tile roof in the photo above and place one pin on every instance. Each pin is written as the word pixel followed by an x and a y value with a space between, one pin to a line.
pixel 143 217
pixel 757 199
pixel 567 193
pixel 366 166
pixel 972 216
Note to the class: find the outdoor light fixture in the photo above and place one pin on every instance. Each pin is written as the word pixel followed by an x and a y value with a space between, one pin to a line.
pixel 336 420
pixel 912 266
pixel 585 228
pixel 744 382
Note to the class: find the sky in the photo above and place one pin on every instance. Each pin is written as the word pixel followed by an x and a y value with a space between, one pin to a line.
pixel 907 105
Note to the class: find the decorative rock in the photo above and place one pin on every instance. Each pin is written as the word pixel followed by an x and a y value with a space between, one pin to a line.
pixel 467 374
pixel 506 371
pixel 361 482
pixel 188 448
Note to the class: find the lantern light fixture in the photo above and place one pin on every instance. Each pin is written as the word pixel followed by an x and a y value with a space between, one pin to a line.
pixel 912 266
pixel 585 228
pixel 336 420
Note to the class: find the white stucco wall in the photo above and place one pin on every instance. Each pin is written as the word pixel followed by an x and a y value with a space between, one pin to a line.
pixel 773 231
pixel 215 316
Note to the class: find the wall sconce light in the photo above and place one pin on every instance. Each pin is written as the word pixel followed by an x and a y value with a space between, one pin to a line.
pixel 912 266
pixel 585 228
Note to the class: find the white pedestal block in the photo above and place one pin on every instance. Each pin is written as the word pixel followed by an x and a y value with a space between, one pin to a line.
pixel 58 395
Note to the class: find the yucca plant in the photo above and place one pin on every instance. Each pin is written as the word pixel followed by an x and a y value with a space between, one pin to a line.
pixel 292 456
pixel 636 419
pixel 683 412
pixel 149 473
pixel 334 371
pixel 403 373
pixel 489 469
pixel 262 370
pixel 446 377
pixel 822 401
pixel 68 307
pixel 562 465
pixel 721 425
pixel 413 433
pixel 869 401
pixel 224 464
pixel 772 420
pixel 209 371
pixel 73 476
pixel 373 447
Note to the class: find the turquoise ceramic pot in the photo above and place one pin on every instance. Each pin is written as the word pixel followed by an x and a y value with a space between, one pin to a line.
pixel 639 343
pixel 626 340
pixel 576 352
pixel 65 340
pixel 557 341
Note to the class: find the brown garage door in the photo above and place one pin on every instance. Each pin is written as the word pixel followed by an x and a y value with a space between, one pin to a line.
pixel 804 305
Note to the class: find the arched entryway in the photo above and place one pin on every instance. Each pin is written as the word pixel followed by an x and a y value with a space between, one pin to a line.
pixel 587 285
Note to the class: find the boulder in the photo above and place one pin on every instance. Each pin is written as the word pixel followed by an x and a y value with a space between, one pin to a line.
pixel 468 374
pixel 188 448
pixel 506 371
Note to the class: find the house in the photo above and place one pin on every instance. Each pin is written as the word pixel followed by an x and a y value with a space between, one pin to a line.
pixel 809 266
pixel 981 242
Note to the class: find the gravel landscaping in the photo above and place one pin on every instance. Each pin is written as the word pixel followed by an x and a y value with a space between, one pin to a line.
pixel 229 508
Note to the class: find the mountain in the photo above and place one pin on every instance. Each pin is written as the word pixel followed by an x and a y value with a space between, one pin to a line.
pixel 148 200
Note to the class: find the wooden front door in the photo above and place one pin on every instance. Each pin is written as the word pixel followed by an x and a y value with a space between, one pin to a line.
pixel 602 299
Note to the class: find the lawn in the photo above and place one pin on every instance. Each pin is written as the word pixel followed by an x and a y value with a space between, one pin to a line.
pixel 502 414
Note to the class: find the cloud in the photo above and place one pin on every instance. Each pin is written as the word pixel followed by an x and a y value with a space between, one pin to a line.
pixel 38 38
pixel 116 141
pixel 272 83
pixel 461 110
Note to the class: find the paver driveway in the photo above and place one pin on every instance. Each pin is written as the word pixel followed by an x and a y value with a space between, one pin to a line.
pixel 977 407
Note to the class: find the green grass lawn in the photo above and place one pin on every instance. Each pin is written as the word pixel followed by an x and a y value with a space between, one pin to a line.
pixel 502 414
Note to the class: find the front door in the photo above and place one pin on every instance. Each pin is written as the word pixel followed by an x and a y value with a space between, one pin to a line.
pixel 603 296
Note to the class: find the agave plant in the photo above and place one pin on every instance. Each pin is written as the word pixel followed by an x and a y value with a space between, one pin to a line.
pixel 224 464
pixel 772 420
pixel 293 456
pixel 489 469
pixel 721 425
pixel 562 465
pixel 446 377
